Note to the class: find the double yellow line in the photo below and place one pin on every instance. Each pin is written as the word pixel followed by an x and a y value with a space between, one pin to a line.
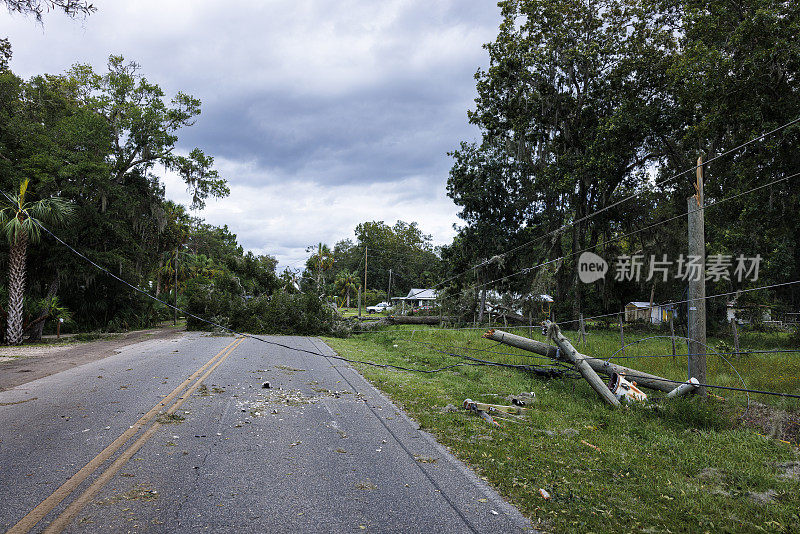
pixel 46 506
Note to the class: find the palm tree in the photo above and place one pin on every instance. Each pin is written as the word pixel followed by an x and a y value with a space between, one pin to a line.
pixel 20 221
pixel 322 260
pixel 345 283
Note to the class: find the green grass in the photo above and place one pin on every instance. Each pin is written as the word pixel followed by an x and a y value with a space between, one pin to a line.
pixel 679 466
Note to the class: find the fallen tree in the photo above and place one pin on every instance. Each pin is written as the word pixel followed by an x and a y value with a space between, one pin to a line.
pixel 418 319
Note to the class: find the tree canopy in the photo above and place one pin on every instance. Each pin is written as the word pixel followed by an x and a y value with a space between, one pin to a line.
pixel 585 104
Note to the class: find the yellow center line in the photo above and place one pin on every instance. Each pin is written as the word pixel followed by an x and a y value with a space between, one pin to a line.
pixel 63 520
pixel 46 506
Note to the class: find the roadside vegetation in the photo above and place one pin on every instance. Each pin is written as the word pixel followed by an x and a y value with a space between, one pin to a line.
pixel 680 466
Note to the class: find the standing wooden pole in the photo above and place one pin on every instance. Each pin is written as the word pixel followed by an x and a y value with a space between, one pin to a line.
pixel 175 300
pixel 366 248
pixel 572 355
pixel 697 284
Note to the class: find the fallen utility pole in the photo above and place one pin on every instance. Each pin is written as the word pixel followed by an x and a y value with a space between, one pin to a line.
pixel 600 366
pixel 573 356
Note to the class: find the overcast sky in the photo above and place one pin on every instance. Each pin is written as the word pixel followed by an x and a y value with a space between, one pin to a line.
pixel 320 114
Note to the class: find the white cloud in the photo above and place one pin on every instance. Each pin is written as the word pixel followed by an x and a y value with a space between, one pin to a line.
pixel 320 114
pixel 283 219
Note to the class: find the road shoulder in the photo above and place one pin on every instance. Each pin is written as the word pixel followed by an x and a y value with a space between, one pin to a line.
pixel 47 360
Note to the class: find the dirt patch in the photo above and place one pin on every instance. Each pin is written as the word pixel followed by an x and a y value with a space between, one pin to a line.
pixel 26 351
pixel 773 422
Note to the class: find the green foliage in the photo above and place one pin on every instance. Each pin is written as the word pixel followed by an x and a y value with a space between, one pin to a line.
pixel 96 140
pixel 402 248
pixel 279 313
pixel 583 102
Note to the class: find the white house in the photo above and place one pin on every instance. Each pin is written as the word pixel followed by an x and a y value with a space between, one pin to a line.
pixel 742 314
pixel 417 298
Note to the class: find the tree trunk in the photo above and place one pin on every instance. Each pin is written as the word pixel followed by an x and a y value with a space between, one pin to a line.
pixel 16 289
pixel 348 297
pixel 158 275
pixel 37 326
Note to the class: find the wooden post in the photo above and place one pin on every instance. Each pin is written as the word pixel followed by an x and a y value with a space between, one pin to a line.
pixel 583 367
pixel 482 308
pixel 530 323
pixel 735 329
pixel 672 333
pixel 582 332
pixel 622 332
pixel 697 288
pixel 600 366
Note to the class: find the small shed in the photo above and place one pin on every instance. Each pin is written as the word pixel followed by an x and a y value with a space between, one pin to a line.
pixel 644 311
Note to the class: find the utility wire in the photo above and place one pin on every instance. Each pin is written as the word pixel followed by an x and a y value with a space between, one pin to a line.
pixel 771 286
pixel 251 336
pixel 623 200
pixel 634 232
pixel 385 366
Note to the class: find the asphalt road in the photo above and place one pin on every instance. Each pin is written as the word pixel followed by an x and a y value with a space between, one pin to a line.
pixel 179 435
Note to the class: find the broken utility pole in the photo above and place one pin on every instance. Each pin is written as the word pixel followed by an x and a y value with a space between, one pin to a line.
pixel 600 366
pixel 583 367
pixel 697 283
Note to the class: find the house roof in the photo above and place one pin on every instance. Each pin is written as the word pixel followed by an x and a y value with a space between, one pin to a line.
pixel 418 294
pixel 421 294
pixel 639 304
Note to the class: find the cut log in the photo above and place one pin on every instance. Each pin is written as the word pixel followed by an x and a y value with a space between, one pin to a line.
pixel 581 364
pixel 600 366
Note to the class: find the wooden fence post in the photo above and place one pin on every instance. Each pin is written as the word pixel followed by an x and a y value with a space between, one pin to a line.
pixel 672 334
pixel 735 329
pixel 582 332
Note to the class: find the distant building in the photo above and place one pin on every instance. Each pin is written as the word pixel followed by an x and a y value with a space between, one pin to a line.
pixel 654 314
pixel 417 298
pixel 744 314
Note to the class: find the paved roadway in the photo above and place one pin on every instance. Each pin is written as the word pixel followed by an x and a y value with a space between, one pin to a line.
pixel 95 449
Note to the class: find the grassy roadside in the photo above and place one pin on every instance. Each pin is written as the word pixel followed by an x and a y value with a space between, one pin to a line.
pixel 682 466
